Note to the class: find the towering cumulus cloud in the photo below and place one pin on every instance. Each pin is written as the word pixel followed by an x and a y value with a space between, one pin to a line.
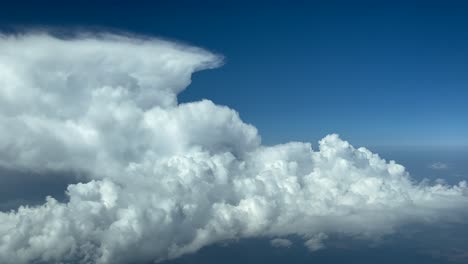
pixel 165 179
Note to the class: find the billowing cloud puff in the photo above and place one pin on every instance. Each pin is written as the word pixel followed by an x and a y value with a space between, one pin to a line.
pixel 166 179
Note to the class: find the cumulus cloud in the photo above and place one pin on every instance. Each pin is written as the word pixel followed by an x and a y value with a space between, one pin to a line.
pixel 165 179
pixel 281 242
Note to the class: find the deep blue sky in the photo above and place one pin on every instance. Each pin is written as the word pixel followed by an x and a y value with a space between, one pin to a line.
pixel 376 72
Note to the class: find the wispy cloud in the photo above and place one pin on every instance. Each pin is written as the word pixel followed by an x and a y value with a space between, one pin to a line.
pixel 438 166
pixel 315 243
pixel 281 242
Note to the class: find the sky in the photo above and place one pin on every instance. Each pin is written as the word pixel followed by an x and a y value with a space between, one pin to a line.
pixel 376 72
pixel 186 132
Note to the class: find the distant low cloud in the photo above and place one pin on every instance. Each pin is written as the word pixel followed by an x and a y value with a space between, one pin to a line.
pixel 281 242
pixel 164 179
pixel 438 166
pixel 316 242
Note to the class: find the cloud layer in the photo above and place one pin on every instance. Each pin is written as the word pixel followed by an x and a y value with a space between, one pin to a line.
pixel 165 179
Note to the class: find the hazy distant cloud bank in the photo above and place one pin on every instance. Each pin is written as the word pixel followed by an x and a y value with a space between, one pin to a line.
pixel 438 166
pixel 167 178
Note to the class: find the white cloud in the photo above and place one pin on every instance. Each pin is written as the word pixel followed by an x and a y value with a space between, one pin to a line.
pixel 166 179
pixel 281 242
pixel 438 166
